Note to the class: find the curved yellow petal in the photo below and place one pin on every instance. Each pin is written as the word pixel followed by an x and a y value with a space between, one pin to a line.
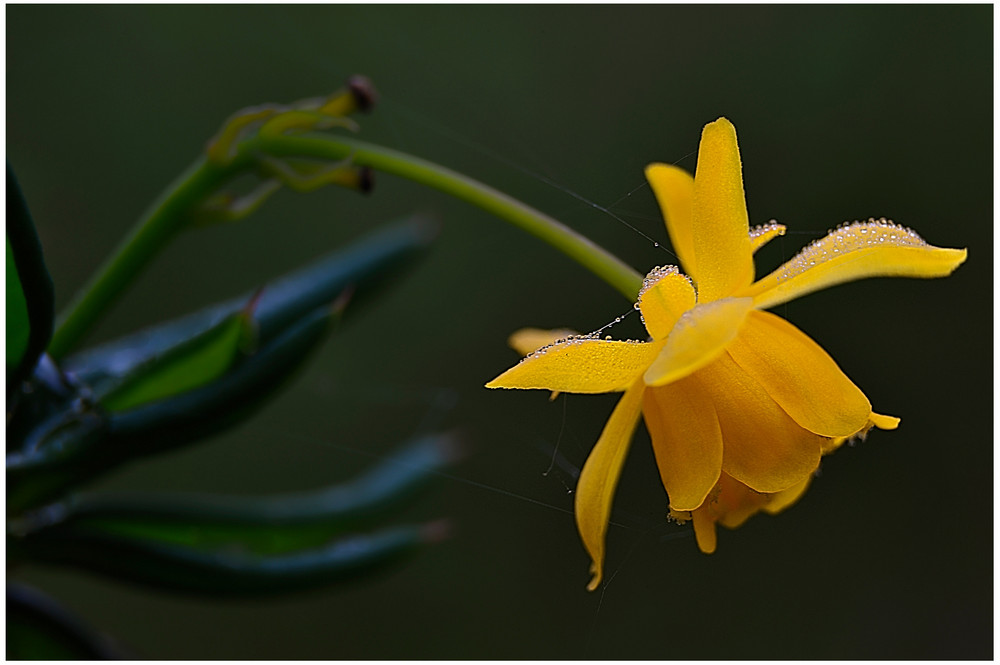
pixel 580 365
pixel 863 249
pixel 763 447
pixel 720 226
pixel 704 531
pixel 781 500
pixel 526 340
pixel 884 422
pixel 800 376
pixel 664 297
pixel 674 191
pixel 736 503
pixel 733 503
pixel 874 420
pixel 697 339
pixel 761 235
pixel 686 439
pixel 596 488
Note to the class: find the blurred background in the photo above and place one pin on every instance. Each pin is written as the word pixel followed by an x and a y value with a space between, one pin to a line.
pixel 843 113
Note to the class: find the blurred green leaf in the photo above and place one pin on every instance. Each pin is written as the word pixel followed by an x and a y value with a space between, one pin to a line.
pixel 83 441
pixel 226 570
pixel 366 266
pixel 194 414
pixel 18 326
pixel 30 296
pixel 263 525
pixel 40 629
pixel 77 439
pixel 191 364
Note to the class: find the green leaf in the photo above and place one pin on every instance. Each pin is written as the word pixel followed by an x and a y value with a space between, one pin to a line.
pixel 227 570
pixel 366 266
pixel 76 441
pixel 38 628
pixel 30 296
pixel 193 363
pixel 267 525
pixel 82 441
pixel 230 398
pixel 18 325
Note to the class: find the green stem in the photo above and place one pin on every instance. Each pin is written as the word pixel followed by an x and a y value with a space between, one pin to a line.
pixel 161 222
pixel 591 256
pixel 169 215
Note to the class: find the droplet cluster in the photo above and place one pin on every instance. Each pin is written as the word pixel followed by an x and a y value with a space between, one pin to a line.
pixel 654 276
pixel 576 340
pixel 850 237
pixel 763 229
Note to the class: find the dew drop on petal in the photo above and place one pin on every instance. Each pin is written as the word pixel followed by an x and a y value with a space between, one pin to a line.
pixel 848 237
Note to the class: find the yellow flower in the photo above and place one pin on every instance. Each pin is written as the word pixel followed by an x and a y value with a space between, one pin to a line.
pixel 739 403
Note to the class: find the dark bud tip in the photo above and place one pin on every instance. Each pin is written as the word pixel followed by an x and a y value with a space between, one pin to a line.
pixel 251 307
pixel 453 446
pixel 343 298
pixel 363 91
pixel 436 531
pixel 366 180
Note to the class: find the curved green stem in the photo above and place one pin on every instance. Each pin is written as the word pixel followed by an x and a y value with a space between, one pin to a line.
pixel 170 214
pixel 591 256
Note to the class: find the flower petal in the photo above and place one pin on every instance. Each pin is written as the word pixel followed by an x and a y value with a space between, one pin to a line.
pixel 736 503
pixel 697 339
pixel 721 229
pixel 781 500
pixel 763 447
pixel 704 530
pixel 686 439
pixel 800 376
pixel 599 477
pixel 761 235
pixel 664 297
pixel 580 365
pixel 674 191
pixel 526 340
pixel 884 422
pixel 874 420
pixel 859 250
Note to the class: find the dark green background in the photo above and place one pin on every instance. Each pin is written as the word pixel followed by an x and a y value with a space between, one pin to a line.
pixel 842 112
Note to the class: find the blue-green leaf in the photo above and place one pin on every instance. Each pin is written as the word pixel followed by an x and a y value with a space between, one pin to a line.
pixel 365 266
pixel 77 439
pixel 38 628
pixel 238 545
pixel 18 323
pixel 264 525
pixel 191 364
pixel 82 440
pixel 227 570
pixel 30 296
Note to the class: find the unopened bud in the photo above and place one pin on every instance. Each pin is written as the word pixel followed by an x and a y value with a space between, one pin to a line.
pixel 364 92
pixel 361 178
pixel 366 179
pixel 359 95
